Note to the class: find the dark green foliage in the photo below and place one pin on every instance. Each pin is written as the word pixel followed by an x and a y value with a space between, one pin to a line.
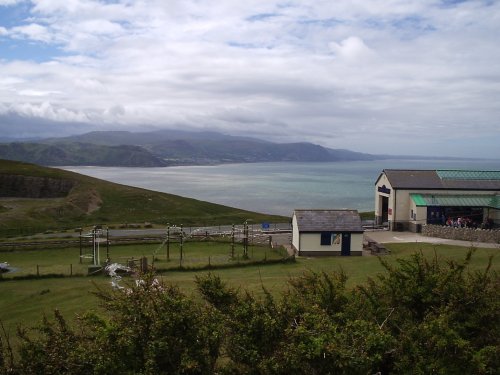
pixel 59 350
pixel 215 292
pixel 253 327
pixel 149 328
pixel 444 319
pixel 422 316
pixel 156 329
pixel 329 335
pixel 309 331
pixel 6 352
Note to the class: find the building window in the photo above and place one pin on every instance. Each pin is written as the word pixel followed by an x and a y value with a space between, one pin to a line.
pixel 326 238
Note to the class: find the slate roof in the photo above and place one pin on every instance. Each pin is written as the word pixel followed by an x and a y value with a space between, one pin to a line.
pixel 443 179
pixel 328 221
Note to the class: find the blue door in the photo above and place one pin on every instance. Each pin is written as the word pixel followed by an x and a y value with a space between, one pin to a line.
pixel 346 244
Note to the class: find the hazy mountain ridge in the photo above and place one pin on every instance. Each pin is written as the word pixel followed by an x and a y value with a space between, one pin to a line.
pixel 178 147
pixel 170 147
pixel 80 154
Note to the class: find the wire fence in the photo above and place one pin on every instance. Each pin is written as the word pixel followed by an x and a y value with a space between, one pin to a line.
pixel 191 253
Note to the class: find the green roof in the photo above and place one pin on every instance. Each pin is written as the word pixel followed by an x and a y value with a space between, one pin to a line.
pixel 492 201
pixel 449 174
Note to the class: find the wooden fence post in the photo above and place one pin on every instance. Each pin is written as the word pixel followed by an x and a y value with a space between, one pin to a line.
pixel 232 242
pixel 182 242
pixel 168 242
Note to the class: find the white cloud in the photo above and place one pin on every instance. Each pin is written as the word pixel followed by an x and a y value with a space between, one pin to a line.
pixel 46 110
pixel 352 49
pixel 33 32
pixel 347 74
pixel 38 93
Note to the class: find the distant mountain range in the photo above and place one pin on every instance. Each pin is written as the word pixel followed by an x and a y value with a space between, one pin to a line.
pixel 168 148
pixel 75 153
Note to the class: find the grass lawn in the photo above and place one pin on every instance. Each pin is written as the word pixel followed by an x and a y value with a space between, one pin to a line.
pixel 25 301
pixel 195 254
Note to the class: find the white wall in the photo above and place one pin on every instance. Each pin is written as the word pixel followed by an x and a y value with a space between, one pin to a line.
pixel 381 182
pixel 295 233
pixel 312 242
pixel 356 241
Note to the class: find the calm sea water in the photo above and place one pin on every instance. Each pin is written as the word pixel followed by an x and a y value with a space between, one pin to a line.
pixel 275 188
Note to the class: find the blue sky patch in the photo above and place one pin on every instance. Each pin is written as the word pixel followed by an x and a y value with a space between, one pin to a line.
pixel 17 49
pixel 325 22
pixel 22 48
pixel 262 17
pixel 241 45
pixel 11 16
pixel 415 23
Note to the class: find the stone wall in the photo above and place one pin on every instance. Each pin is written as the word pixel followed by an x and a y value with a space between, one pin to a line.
pixel 463 234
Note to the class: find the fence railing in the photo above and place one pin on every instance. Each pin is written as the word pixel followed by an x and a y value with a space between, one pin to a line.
pixel 186 264
pixel 114 232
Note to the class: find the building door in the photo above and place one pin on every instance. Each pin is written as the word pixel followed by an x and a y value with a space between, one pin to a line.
pixel 384 205
pixel 346 244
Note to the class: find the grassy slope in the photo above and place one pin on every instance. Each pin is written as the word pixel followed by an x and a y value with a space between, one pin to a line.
pixel 118 204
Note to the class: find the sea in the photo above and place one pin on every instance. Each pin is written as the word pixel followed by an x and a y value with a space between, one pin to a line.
pixel 276 188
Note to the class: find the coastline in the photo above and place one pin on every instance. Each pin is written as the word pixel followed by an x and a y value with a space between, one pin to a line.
pixel 274 188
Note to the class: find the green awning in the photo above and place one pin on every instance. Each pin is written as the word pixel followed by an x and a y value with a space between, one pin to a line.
pixel 491 201
pixel 418 199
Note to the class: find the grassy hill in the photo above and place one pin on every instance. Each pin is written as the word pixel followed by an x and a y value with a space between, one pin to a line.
pixel 44 198
pixel 78 153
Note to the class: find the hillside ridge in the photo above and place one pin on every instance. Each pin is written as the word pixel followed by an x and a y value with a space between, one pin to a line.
pixel 33 196
pixel 167 148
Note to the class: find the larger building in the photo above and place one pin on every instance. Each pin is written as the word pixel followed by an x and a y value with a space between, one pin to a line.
pixel 407 199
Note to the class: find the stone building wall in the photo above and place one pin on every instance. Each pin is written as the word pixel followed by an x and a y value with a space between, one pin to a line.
pixel 463 234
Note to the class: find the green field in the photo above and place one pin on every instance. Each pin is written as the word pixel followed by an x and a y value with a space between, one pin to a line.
pixel 25 301
pixel 66 261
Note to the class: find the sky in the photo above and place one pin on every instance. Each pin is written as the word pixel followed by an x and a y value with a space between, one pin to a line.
pixel 413 77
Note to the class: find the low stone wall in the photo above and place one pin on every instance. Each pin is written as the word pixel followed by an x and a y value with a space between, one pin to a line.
pixel 463 234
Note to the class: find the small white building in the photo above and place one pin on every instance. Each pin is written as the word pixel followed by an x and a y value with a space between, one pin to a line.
pixel 408 199
pixel 327 232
